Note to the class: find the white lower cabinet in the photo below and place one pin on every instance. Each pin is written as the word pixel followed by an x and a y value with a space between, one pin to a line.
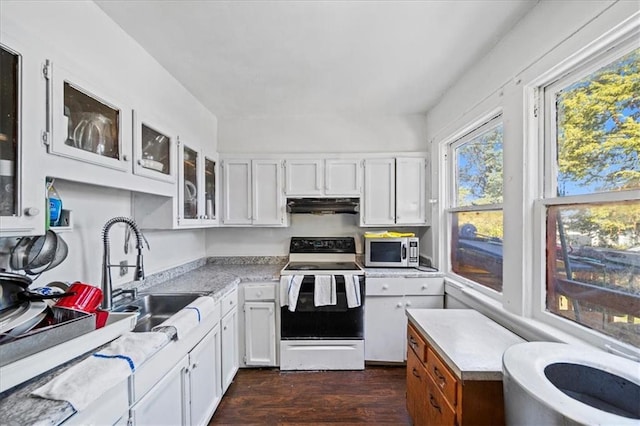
pixel 385 321
pixel 205 384
pixel 259 325
pixel 167 403
pixel 229 337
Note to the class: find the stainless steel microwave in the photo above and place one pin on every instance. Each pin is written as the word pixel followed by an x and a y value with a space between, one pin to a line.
pixel 391 252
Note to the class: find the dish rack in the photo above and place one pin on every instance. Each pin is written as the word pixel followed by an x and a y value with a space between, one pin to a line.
pixel 43 349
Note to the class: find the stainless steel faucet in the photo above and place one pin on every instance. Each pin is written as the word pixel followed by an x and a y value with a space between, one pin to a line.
pixel 107 289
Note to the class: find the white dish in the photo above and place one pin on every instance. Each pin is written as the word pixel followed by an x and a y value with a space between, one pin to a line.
pixel 22 322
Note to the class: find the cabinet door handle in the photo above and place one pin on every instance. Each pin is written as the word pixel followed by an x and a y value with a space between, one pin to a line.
pixel 434 404
pixel 415 373
pixel 385 287
pixel 408 303
pixel 439 376
pixel 399 305
pixel 412 342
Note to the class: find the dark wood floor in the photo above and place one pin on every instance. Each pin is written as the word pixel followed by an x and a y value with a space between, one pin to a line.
pixel 269 396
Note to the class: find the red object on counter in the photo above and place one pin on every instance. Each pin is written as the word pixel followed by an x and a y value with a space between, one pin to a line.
pixel 87 298
pixel 101 318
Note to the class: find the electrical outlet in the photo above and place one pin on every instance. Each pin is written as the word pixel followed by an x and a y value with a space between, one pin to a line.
pixel 123 268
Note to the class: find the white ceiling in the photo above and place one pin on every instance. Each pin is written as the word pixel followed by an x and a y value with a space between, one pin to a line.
pixel 275 58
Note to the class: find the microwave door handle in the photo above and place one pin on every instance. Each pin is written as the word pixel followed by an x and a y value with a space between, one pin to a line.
pixel 404 251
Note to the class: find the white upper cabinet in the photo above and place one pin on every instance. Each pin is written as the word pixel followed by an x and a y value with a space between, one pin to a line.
pixel 22 190
pixel 395 192
pixel 411 181
pixel 379 192
pixel 253 192
pixel 317 178
pixel 88 122
pixel 154 148
pixel 196 188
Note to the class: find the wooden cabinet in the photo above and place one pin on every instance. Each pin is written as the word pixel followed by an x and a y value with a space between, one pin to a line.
pixel 323 177
pixel 437 396
pixel 253 192
pixel 259 329
pixel 385 317
pixel 229 338
pixel 395 191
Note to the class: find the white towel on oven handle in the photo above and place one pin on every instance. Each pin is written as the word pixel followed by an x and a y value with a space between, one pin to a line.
pixel 289 290
pixel 324 290
pixel 352 290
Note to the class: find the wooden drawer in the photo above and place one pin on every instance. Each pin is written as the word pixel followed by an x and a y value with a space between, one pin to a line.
pixel 385 286
pixel 229 301
pixel 442 377
pixel 424 286
pixel 416 343
pixel 257 292
pixel 417 377
pixel 438 411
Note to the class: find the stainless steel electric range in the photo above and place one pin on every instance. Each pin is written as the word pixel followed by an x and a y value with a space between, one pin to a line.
pixel 330 336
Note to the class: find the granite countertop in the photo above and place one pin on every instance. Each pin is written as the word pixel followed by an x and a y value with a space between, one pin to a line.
pixel 421 272
pixel 214 278
pixel 470 343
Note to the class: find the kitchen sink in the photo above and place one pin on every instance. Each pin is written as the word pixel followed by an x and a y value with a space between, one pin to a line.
pixel 154 309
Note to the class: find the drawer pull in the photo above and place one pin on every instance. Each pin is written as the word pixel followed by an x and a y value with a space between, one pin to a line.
pixel 439 375
pixel 412 342
pixel 415 373
pixel 434 404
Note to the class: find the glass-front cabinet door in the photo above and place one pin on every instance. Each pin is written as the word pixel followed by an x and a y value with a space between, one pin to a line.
pixel 154 149
pixel 87 122
pixel 9 131
pixel 188 186
pixel 210 208
pixel 22 201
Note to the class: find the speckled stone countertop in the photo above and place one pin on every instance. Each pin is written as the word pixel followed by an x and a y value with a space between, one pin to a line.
pixel 213 276
pixel 470 343
pixel 421 272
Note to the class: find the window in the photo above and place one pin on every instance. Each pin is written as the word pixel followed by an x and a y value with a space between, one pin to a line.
pixel 476 205
pixel 592 202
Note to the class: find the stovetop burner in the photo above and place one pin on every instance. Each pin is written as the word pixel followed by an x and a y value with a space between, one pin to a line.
pixel 323 266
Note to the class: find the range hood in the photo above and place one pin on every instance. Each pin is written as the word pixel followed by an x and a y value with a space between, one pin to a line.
pixel 323 205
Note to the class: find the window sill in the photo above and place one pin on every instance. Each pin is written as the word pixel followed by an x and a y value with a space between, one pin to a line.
pixel 527 328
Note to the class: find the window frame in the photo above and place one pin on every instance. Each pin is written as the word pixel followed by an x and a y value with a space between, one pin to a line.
pixel 543 92
pixel 485 123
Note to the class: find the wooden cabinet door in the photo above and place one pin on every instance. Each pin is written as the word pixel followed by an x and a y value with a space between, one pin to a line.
pixel 268 208
pixel 379 192
pixel 304 177
pixel 342 177
pixel 411 191
pixel 237 192
pixel 167 403
pixel 417 390
pixel 260 333
pixel 205 378
pixel 229 332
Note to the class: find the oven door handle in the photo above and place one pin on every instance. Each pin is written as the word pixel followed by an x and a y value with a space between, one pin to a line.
pixel 404 251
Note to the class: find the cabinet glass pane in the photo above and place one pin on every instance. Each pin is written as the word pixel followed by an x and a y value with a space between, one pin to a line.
pixel 9 81
pixel 155 151
pixel 210 188
pixel 92 125
pixel 190 173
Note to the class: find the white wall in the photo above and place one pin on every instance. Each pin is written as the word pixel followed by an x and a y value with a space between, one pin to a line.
pixel 275 241
pixel 322 134
pixel 80 36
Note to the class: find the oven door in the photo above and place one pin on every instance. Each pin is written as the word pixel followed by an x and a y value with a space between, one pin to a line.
pixel 323 322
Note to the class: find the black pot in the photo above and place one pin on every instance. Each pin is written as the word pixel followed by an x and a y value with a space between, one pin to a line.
pixel 13 291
